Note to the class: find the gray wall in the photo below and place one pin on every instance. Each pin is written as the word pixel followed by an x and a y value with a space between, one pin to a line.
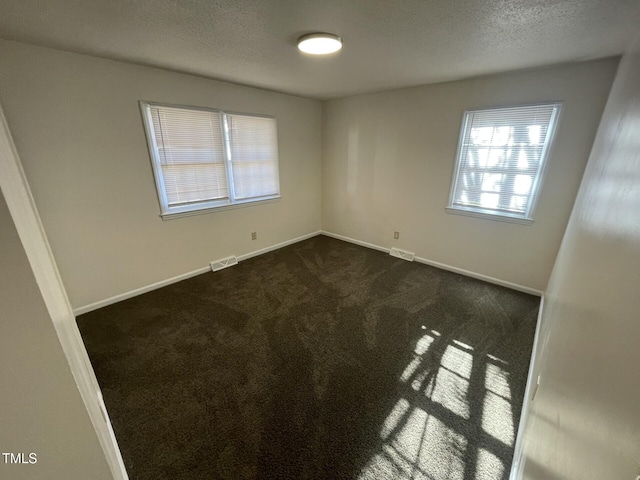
pixel 41 410
pixel 585 419
pixel 76 124
pixel 388 159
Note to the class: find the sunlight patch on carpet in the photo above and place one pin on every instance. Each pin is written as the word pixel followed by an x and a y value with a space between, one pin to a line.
pixel 418 444
pixel 497 417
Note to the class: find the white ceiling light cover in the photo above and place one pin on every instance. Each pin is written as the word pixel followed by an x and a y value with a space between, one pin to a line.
pixel 319 43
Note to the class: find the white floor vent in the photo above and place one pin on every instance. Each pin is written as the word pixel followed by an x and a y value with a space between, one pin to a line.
pixel 403 254
pixel 224 263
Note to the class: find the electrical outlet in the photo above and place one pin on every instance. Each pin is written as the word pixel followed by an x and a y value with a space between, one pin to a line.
pixel 254 235
pixel 396 235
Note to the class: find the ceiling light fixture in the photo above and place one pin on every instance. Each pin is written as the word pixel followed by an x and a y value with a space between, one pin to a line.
pixel 319 43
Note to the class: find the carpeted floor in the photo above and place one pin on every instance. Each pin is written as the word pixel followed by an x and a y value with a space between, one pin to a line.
pixel 321 360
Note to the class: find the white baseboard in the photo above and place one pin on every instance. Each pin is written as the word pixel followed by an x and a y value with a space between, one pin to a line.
pixel 178 278
pixel 480 276
pixel 443 266
pixel 163 283
pixel 357 242
pixel 138 291
pixel 271 248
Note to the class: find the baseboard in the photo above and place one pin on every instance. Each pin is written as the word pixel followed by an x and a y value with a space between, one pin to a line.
pixel 178 278
pixel 271 248
pixel 357 242
pixel 517 465
pixel 443 266
pixel 480 276
pixel 163 283
pixel 138 291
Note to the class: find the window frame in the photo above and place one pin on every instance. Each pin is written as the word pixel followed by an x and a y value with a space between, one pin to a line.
pixel 197 208
pixel 527 218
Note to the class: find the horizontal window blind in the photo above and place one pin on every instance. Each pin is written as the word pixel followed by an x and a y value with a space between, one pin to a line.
pixel 205 158
pixel 254 155
pixel 191 154
pixel 500 158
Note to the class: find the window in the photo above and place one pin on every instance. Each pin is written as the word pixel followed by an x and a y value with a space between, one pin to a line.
pixel 500 160
pixel 204 159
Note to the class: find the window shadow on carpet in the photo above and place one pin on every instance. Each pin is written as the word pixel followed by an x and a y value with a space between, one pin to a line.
pixel 437 430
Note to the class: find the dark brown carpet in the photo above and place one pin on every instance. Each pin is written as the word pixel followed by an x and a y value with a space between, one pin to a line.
pixel 321 360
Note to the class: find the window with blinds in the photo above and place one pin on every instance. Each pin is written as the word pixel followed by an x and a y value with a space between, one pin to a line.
pixel 500 160
pixel 204 159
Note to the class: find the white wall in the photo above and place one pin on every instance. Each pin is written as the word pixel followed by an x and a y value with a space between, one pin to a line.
pixel 41 410
pixel 388 159
pixel 76 123
pixel 585 419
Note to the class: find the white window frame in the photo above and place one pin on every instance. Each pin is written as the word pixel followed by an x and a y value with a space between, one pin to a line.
pixel 169 212
pixel 526 218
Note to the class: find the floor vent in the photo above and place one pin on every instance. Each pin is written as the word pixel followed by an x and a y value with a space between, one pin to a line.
pixel 224 263
pixel 403 254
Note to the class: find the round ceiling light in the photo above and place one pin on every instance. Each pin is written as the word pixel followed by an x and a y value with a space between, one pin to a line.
pixel 319 43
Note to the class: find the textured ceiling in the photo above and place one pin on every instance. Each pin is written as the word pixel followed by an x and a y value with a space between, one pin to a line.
pixel 387 44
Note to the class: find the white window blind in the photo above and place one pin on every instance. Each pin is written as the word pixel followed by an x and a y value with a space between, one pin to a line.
pixel 204 159
pixel 191 154
pixel 500 160
pixel 253 156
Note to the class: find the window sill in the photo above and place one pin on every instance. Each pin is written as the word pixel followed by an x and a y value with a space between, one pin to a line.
pixel 232 206
pixel 489 216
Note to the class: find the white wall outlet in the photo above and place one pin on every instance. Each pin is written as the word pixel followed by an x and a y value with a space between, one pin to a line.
pixel 396 235
pixel 254 235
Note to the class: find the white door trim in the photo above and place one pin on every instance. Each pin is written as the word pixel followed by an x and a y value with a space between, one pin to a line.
pixel 19 199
